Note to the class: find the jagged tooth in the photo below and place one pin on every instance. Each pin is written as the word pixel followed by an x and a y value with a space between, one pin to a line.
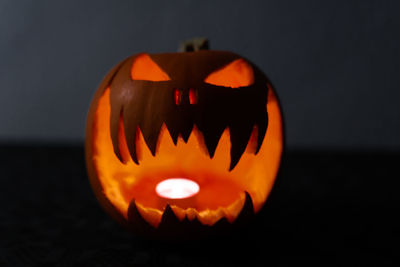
pixel 133 212
pixel 115 117
pixel 248 204
pixel 240 133
pixel 186 131
pixel 247 212
pixel 130 137
pixel 136 220
pixel 262 126
pixel 172 132
pixel 131 142
pixel 211 137
pixel 168 218
pixel 151 135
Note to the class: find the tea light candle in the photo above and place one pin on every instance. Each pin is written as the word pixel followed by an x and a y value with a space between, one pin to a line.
pixel 177 188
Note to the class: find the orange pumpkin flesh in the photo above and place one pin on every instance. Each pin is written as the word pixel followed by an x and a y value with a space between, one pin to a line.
pixel 222 191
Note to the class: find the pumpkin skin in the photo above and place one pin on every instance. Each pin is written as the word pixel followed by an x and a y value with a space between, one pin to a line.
pixel 211 116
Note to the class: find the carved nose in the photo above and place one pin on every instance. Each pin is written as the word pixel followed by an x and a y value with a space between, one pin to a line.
pixel 177 96
pixel 180 97
pixel 192 96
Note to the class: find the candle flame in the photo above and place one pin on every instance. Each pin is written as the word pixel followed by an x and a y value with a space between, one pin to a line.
pixel 177 188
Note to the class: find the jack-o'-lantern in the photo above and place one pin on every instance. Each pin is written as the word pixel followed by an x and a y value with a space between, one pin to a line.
pixel 183 143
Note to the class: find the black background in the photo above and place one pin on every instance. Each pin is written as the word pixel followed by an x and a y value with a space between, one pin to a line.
pixel 326 209
pixel 334 64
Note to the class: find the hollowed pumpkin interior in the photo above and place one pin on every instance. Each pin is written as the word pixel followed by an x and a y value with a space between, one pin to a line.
pixel 222 192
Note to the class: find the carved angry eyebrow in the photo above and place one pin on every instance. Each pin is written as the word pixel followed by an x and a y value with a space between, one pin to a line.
pixel 144 68
pixel 236 74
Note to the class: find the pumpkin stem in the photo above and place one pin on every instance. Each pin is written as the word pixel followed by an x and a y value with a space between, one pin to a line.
pixel 194 44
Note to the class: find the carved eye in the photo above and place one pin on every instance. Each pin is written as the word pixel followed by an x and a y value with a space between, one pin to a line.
pixel 236 74
pixel 144 68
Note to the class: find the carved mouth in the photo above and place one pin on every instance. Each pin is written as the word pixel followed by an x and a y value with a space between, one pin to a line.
pixel 209 142
pixel 130 187
pixel 219 196
pixel 172 224
pixel 131 148
pixel 148 108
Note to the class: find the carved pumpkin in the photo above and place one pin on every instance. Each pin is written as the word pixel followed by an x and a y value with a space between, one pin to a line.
pixel 210 117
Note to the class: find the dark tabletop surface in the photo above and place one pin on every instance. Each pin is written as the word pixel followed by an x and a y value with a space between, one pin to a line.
pixel 326 209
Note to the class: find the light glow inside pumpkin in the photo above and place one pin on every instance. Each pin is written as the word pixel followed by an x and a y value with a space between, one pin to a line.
pixel 177 188
pixel 222 193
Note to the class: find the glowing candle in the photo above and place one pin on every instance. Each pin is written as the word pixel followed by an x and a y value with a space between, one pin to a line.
pixel 177 188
